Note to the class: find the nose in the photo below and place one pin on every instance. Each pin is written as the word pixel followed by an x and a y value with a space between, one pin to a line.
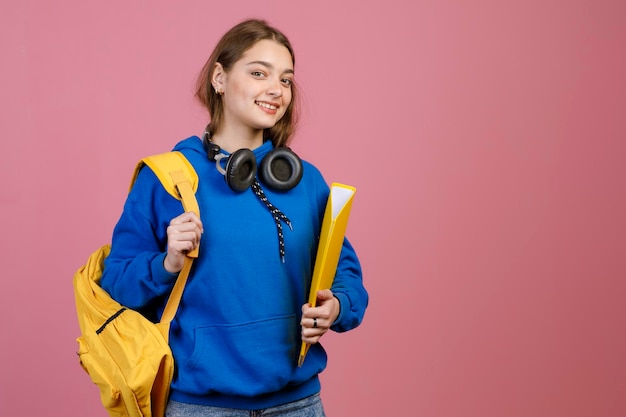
pixel 274 88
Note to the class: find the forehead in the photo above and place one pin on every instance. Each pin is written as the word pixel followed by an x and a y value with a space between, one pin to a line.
pixel 270 52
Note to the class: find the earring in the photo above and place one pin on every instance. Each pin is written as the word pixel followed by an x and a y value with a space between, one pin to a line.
pixel 219 91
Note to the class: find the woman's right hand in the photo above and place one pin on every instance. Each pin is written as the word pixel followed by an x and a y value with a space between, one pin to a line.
pixel 183 235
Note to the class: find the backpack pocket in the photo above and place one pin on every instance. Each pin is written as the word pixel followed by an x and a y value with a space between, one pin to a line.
pixel 110 394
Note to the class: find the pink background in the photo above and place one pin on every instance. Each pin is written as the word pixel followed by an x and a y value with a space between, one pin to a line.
pixel 486 142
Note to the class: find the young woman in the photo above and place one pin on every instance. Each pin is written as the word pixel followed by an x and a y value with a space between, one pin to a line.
pixel 237 333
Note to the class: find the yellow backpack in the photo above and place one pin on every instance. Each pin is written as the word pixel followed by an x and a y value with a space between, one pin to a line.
pixel 126 355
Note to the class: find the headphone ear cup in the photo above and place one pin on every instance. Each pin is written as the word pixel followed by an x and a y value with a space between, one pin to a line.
pixel 281 169
pixel 240 170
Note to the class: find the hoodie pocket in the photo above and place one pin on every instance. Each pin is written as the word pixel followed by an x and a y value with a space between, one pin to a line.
pixel 245 359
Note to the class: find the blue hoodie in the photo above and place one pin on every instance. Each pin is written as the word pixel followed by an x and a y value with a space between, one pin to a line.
pixel 236 335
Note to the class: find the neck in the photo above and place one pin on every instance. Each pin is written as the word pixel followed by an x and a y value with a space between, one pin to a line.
pixel 233 139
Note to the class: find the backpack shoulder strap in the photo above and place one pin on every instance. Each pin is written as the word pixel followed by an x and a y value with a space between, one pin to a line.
pixel 177 175
pixel 180 180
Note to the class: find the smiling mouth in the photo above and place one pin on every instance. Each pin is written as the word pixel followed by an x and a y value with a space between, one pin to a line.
pixel 266 105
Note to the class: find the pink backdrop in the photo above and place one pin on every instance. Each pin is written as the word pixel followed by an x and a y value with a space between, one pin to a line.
pixel 486 141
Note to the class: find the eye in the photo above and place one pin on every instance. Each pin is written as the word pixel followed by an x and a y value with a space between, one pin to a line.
pixel 287 82
pixel 258 74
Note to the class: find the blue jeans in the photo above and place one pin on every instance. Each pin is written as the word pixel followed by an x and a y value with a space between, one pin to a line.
pixel 306 407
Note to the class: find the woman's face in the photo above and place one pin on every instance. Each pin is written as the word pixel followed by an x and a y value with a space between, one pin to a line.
pixel 257 89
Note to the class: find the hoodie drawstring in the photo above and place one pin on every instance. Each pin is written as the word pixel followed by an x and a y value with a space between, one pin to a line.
pixel 276 214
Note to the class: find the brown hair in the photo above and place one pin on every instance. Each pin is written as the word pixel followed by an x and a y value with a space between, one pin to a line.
pixel 229 50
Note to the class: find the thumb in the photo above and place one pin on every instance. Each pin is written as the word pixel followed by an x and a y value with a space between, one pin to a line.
pixel 324 295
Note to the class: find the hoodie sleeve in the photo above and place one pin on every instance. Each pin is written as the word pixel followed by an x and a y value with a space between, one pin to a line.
pixel 349 290
pixel 134 274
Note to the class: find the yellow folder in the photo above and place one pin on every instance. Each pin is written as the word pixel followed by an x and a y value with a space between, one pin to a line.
pixel 332 234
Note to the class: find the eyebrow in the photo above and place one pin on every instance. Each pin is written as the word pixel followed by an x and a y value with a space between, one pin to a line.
pixel 268 65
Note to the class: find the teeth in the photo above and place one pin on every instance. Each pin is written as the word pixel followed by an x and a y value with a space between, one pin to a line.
pixel 266 105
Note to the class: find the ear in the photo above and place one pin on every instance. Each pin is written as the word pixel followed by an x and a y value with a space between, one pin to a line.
pixel 217 78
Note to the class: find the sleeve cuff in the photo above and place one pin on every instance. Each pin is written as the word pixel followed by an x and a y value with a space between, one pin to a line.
pixel 344 309
pixel 160 275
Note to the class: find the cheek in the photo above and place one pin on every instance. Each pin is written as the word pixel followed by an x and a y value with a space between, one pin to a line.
pixel 287 99
pixel 238 97
pixel 283 109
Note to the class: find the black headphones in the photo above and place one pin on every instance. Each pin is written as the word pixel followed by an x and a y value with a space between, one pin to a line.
pixel 280 169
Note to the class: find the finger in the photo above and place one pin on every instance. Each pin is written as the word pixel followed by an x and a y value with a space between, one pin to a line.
pixel 184 231
pixel 316 323
pixel 183 240
pixel 311 323
pixel 188 217
pixel 182 218
pixel 324 294
pixel 311 336
pixel 185 227
pixel 310 340
pixel 179 248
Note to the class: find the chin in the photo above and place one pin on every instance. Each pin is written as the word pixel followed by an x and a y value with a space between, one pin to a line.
pixel 266 124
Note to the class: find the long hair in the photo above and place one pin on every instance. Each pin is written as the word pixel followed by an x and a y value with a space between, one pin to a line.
pixel 231 47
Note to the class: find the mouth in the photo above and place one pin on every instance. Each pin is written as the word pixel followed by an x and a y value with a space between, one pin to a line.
pixel 265 105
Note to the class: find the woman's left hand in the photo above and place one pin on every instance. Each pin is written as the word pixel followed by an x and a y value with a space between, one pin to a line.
pixel 317 320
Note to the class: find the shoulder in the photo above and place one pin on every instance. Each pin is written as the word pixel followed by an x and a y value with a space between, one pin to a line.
pixel 190 144
pixel 314 183
pixel 312 172
pixel 147 186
